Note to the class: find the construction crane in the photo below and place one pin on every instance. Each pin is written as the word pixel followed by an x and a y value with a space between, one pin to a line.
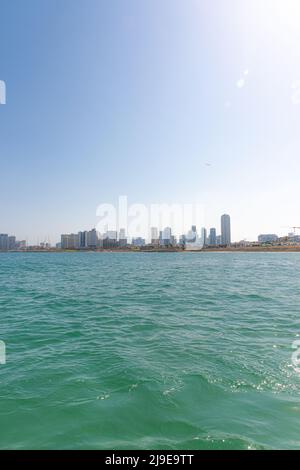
pixel 294 229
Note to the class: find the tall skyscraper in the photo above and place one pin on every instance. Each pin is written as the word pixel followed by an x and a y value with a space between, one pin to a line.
pixel 161 237
pixel 92 238
pixel 122 234
pixel 154 236
pixel 111 235
pixel 139 241
pixel 203 235
pixel 154 233
pixel 225 230
pixel 167 235
pixel 3 241
pixel 70 241
pixel 82 239
pixel 192 234
pixel 11 242
pixel 110 239
pixel 122 237
pixel 212 236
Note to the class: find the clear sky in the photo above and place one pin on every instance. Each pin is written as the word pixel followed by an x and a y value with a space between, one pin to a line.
pixel 162 101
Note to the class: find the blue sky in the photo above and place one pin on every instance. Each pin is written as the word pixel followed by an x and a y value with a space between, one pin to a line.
pixel 163 101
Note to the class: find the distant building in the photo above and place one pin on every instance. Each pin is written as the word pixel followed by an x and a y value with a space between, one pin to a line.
pixel 4 242
pixel 173 240
pixel 203 236
pixel 12 242
pixel 167 236
pixel 294 238
pixel 92 239
pixel 138 241
pixel 45 245
pixel 268 238
pixel 64 241
pixel 192 234
pixel 70 241
pixel 154 236
pixel 225 230
pixel 80 240
pixel 109 243
pixel 122 237
pixel 111 235
pixel 212 240
pixel 182 240
pixel 218 240
pixel 160 237
pixel 122 234
pixel 20 245
pixel 82 236
pixel 110 240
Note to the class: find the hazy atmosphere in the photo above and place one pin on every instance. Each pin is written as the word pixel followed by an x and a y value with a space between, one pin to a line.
pixel 160 101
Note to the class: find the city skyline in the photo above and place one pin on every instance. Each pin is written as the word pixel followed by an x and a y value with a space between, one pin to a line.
pixel 154 234
pixel 157 236
pixel 46 236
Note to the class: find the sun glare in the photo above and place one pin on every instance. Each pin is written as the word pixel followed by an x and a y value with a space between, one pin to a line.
pixel 281 14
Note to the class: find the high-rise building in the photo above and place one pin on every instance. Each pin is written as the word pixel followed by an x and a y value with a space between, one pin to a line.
pixel 225 230
pixel 268 238
pixel 203 236
pixel 154 236
pixel 75 240
pixel 212 236
pixel 167 236
pixel 192 234
pixel 12 242
pixel 122 234
pixel 82 239
pixel 139 241
pixel 111 235
pixel 70 241
pixel 92 238
pixel 160 237
pixel 21 244
pixel 110 239
pixel 3 241
pixel 100 241
pixel 122 237
pixel 182 239
pixel 173 240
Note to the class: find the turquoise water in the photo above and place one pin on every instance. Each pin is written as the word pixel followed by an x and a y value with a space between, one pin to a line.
pixel 133 350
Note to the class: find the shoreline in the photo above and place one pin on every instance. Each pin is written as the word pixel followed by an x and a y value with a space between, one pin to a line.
pixel 251 249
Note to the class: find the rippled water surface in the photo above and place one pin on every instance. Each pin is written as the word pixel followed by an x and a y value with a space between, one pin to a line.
pixel 133 350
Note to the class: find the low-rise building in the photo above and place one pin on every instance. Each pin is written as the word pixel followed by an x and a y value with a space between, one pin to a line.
pixel 138 241
pixel 268 238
